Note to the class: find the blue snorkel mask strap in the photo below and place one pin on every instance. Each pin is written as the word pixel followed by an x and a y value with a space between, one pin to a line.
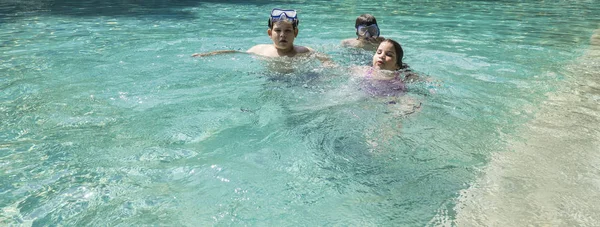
pixel 289 15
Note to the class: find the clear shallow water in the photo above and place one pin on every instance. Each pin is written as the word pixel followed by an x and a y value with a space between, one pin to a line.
pixel 106 119
pixel 551 178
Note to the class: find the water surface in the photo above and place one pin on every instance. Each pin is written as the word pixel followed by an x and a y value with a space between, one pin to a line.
pixel 107 120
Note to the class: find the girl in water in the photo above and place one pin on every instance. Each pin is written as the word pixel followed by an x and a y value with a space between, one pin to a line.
pixel 387 75
pixel 387 78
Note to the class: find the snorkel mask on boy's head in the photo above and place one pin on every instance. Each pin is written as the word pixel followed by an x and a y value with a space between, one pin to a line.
pixel 288 15
pixel 370 31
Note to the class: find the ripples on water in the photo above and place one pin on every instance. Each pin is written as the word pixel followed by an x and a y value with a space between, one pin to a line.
pixel 107 120
pixel 550 178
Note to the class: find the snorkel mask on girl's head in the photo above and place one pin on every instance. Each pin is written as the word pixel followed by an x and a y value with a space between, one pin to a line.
pixel 288 15
pixel 368 31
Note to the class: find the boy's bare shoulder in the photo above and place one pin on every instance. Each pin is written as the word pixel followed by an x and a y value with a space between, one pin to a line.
pixel 349 42
pixel 260 48
pixel 303 49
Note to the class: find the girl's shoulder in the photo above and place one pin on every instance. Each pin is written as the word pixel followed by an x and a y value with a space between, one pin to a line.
pixel 361 70
pixel 408 74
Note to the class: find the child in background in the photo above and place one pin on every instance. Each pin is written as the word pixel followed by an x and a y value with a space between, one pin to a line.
pixel 367 32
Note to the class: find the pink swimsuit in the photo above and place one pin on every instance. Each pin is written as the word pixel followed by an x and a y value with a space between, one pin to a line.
pixel 393 87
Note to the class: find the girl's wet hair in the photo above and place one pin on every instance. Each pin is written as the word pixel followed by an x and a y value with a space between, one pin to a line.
pixel 365 20
pixel 399 52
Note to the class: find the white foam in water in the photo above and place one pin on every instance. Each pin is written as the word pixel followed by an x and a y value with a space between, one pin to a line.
pixel 548 176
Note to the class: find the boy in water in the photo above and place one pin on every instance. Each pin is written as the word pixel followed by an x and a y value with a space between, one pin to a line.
pixel 367 32
pixel 283 29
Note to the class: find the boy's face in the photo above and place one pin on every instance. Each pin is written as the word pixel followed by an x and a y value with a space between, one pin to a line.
pixel 283 34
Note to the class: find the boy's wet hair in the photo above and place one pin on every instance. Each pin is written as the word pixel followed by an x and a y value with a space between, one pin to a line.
pixel 365 20
pixel 294 23
pixel 399 52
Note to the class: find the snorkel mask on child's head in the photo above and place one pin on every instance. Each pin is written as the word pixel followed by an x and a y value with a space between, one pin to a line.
pixel 288 15
pixel 368 31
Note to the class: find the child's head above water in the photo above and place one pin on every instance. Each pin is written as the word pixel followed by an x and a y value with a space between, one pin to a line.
pixel 366 26
pixel 388 56
pixel 283 15
pixel 283 28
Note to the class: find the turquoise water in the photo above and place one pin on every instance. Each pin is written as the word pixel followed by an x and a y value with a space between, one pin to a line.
pixel 107 120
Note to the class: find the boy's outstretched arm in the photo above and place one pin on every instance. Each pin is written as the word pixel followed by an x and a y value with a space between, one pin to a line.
pixel 325 60
pixel 215 53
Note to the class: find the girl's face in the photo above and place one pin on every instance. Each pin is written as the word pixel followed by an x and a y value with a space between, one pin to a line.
pixel 385 57
pixel 283 35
